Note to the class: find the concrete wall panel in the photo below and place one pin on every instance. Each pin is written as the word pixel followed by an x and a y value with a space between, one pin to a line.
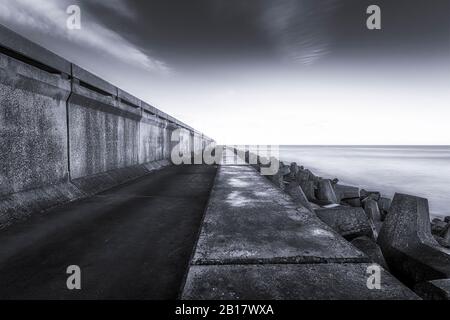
pixel 150 140
pixel 33 148
pixel 103 135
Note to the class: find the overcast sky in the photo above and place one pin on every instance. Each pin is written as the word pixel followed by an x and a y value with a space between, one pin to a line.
pixel 265 71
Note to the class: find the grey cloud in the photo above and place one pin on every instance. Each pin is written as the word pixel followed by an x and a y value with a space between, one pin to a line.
pixel 49 17
pixel 300 29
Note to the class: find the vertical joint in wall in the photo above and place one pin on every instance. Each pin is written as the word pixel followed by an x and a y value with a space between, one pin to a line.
pixel 67 121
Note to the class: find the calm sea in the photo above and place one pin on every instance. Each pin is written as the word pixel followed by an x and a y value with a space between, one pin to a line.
pixel 417 170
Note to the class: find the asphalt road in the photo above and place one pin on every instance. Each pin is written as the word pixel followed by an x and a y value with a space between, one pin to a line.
pixel 131 242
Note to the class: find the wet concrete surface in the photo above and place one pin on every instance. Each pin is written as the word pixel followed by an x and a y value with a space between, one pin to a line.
pixel 131 242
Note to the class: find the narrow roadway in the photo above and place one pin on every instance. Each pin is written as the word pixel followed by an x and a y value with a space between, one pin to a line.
pixel 131 242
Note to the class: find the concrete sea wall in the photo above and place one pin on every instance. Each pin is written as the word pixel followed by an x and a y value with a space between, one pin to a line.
pixel 65 133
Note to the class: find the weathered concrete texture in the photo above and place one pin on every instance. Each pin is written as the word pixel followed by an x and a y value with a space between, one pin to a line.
pixel 384 204
pixel 374 195
pixel 325 191
pixel 309 189
pixel 348 195
pixel 446 238
pixel 298 196
pixel 407 244
pixel 33 150
pixel 288 282
pixel 347 221
pixel 346 192
pixel 438 227
pixel 434 290
pixel 373 212
pixel 103 136
pixel 371 249
pixel 445 242
pixel 250 221
pixel 14 42
pixel 294 169
pixel 152 140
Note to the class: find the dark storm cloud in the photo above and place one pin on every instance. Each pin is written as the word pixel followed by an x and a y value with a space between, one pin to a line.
pixel 189 31
pixel 45 21
pixel 302 31
pixel 409 28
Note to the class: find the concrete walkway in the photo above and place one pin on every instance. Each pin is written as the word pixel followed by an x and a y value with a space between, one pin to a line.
pixel 255 243
pixel 131 242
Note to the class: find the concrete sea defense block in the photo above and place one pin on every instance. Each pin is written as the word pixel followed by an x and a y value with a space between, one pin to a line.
pixel 297 194
pixel 375 195
pixel 347 195
pixel 347 221
pixel 325 191
pixel 434 290
pixel 283 170
pixel 447 236
pixel 306 175
pixel 373 212
pixel 293 170
pixel 384 204
pixel 408 245
pixel 371 249
pixel 344 192
pixel 444 240
pixel 439 227
pixel 309 189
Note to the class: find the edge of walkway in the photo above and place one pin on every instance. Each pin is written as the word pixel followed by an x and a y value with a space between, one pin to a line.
pixel 255 243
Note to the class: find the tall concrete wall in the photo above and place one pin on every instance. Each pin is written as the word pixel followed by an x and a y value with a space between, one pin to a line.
pixel 103 131
pixel 33 147
pixel 65 133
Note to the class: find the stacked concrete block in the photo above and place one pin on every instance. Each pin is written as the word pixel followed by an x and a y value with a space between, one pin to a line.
pixel 371 249
pixel 384 204
pixel 298 196
pixel 434 289
pixel 408 246
pixel 325 191
pixel 347 194
pixel 373 212
pixel 348 221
